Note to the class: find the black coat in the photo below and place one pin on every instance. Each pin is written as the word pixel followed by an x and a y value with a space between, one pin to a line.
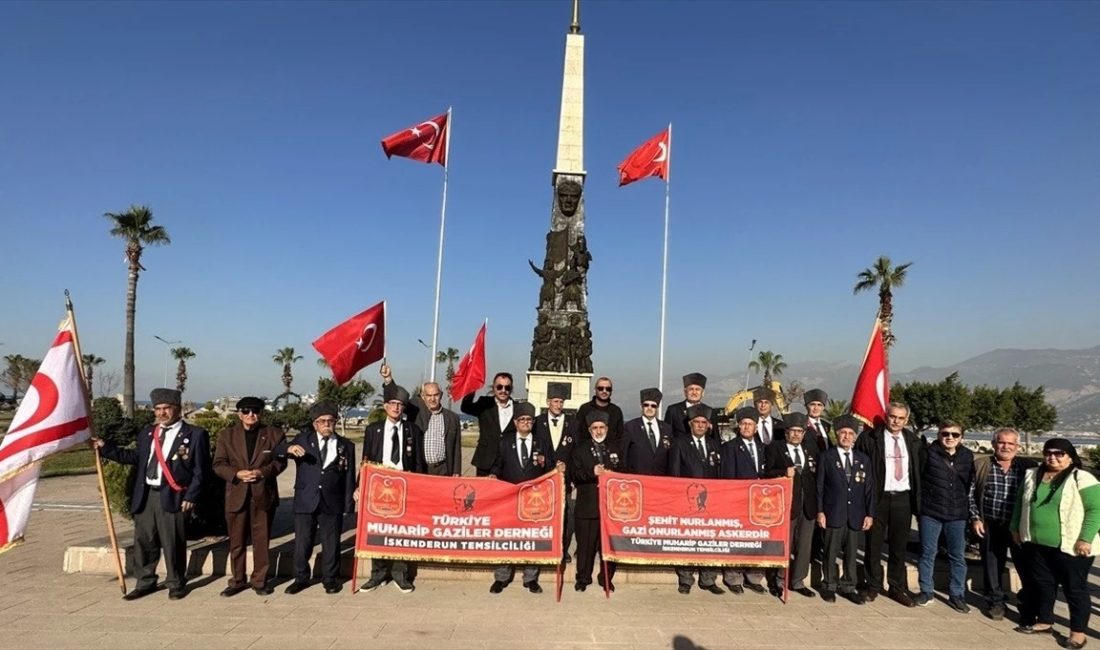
pixel 330 489
pixel 490 430
pixel 737 459
pixel 586 455
pixel 676 415
pixel 508 467
pixel 569 433
pixel 638 454
pixel 187 458
pixel 845 502
pixel 777 458
pixel 871 443
pixel 822 439
pixel 945 483
pixel 614 420
pixel 777 429
pixel 412 439
pixel 684 461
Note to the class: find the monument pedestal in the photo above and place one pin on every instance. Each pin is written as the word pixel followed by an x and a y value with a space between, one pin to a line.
pixel 580 388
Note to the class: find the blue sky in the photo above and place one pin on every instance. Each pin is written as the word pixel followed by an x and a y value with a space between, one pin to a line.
pixel 809 138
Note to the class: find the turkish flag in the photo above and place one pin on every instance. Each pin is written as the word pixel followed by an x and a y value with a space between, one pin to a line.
pixel 354 344
pixel 470 375
pixel 650 159
pixel 426 141
pixel 872 392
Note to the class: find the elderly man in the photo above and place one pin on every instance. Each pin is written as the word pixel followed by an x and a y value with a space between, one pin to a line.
pixel 169 461
pixel 442 430
pixel 845 506
pixel 696 456
pixel 993 494
pixel 245 460
pixel 896 456
pixel 591 458
pixel 768 427
pixel 561 428
pixel 695 386
pixel 494 419
pixel 395 444
pixel 819 430
pixel 647 440
pixel 796 459
pixel 601 401
pixel 324 491
pixel 743 458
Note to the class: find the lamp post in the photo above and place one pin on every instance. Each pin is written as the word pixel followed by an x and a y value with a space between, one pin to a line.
pixel 427 364
pixel 746 365
pixel 167 351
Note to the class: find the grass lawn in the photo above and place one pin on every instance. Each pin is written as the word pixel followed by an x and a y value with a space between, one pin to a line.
pixel 80 460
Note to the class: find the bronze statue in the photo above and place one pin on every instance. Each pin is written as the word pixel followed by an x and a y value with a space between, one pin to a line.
pixel 569 197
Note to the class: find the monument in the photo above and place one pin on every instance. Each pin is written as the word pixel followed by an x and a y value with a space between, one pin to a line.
pixel 561 352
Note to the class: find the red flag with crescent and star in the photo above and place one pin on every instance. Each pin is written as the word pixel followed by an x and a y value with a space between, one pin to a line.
pixel 470 374
pixel 650 159
pixel 425 141
pixel 354 344
pixel 872 392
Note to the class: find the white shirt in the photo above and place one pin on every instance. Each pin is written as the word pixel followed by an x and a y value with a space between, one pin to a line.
pixel 505 414
pixel 530 440
pixel 387 444
pixel 800 456
pixel 169 439
pixel 821 430
pixel 892 484
pixel 555 429
pixel 650 424
pixel 330 453
pixel 696 442
pixel 751 444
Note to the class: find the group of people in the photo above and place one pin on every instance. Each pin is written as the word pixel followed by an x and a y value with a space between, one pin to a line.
pixel 850 484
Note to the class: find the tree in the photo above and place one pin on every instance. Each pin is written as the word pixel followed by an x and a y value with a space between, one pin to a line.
pixel 770 364
pixel 449 357
pixel 15 374
pixel 182 355
pixel 792 392
pixel 135 227
pixel 884 277
pixel 354 393
pixel 90 362
pixel 285 357
pixel 1030 412
pixel 109 382
pixel 836 408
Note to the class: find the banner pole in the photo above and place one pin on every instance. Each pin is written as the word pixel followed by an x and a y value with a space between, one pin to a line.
pixel 664 268
pixel 91 430
pixel 439 258
pixel 358 530
pixel 558 581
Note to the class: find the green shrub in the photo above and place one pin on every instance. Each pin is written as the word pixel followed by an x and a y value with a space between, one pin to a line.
pixel 1092 456
pixel 119 480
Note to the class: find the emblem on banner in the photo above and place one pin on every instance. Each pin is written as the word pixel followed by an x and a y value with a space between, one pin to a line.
pixel 697 497
pixel 536 501
pixel 386 496
pixel 624 500
pixel 766 505
pixel 464 495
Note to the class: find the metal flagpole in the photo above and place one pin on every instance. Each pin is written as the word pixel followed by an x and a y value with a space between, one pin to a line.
pixel 664 267
pixel 439 260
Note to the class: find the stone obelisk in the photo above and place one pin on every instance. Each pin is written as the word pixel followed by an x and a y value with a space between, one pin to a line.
pixel 561 352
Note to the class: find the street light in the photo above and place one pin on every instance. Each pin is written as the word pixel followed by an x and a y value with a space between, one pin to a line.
pixel 427 362
pixel 750 361
pixel 167 349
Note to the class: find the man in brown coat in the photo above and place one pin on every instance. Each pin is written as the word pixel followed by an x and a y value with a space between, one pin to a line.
pixel 244 460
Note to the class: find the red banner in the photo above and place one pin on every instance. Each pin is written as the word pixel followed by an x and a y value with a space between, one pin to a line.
pixel 694 522
pixel 419 517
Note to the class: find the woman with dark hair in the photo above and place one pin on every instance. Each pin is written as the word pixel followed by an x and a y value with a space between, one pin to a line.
pixel 1056 520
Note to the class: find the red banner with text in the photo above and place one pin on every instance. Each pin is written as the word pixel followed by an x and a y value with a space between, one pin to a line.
pixel 694 522
pixel 419 517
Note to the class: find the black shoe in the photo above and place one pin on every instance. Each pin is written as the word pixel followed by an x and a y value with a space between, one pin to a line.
pixel 580 586
pixel 804 591
pixel 870 594
pixel 566 559
pixel 776 591
pixel 855 597
pixel 533 587
pixel 372 584
pixel 737 589
pixel 958 603
pixel 684 589
pixel 828 596
pixel 714 589
pixel 404 586
pixel 265 590
pixel 139 593
pixel 295 587
pixel 497 587
pixel 231 591
pixel 1031 629
pixel 759 589
pixel 333 588
pixel 1074 645
pixel 610 585
pixel 901 597
pixel 177 594
pixel 996 611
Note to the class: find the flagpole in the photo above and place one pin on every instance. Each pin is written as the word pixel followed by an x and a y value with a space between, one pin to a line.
pixel 439 259
pixel 91 429
pixel 664 266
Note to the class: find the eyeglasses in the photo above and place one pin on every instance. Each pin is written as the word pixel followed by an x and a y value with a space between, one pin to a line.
pixel 950 434
pixel 248 411
pixel 649 405
pixel 431 394
pixel 504 387
pixel 603 389
pixel 1055 453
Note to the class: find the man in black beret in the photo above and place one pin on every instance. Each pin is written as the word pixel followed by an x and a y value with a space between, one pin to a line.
pixel 768 427
pixel 743 458
pixel 591 458
pixel 795 459
pixel 169 462
pixel 845 508
pixel 562 429
pixel 601 401
pixel 818 429
pixel 696 455
pixel 647 440
pixel 695 385
pixel 244 458
pixel 324 491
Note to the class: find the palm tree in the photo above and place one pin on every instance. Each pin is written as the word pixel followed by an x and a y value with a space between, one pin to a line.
pixel 322 362
pixel 135 226
pixel 13 375
pixel 90 362
pixel 182 355
pixel 770 363
pixel 882 275
pixel 836 408
pixel 285 357
pixel 449 357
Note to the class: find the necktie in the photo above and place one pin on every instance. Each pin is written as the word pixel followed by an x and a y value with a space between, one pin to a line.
pixel 523 458
pixel 652 436
pixel 152 469
pixel 324 450
pixel 752 451
pixel 848 466
pixel 395 447
pixel 767 437
pixel 898 469
pixel 797 459
pixel 554 421
pixel 701 448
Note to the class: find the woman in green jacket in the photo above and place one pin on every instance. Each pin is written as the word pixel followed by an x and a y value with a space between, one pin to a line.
pixel 1056 520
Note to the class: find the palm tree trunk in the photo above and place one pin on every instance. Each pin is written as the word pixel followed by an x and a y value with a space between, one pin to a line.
pixel 181 375
pixel 886 314
pixel 128 355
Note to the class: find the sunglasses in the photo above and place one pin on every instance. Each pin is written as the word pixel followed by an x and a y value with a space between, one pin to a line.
pixel 603 389
pixel 504 387
pixel 248 411
pixel 950 434
pixel 1055 453
pixel 649 405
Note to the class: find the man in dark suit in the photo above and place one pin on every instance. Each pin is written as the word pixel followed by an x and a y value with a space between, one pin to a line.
pixel 845 507
pixel 695 385
pixel 696 456
pixel 324 491
pixel 768 427
pixel 494 419
pixel 797 460
pixel 896 456
pixel 818 430
pixel 395 444
pixel 562 429
pixel 244 459
pixel 522 457
pixel 647 440
pixel 601 401
pixel 591 458
pixel 442 430
pixel 743 458
pixel 170 462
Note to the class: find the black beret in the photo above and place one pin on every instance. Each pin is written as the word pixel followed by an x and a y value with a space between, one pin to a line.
pixel 815 395
pixel 651 395
pixel 254 403
pixel 796 420
pixel 521 409
pixel 165 396
pixel 557 390
pixel 595 416
pixel 324 407
pixel 392 391
pixel 847 421
pixel 746 413
pixel 699 411
pixel 695 379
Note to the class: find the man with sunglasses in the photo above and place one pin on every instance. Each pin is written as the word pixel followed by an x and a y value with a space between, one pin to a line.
pixel 946 477
pixel 244 458
pixel 601 401
pixel 647 440
pixel 695 385
pixel 494 419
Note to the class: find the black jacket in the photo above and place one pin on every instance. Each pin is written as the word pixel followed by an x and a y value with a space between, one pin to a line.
pixel 945 483
pixel 737 460
pixel 490 430
pixel 412 437
pixel 330 489
pixel 188 461
pixel 638 454
pixel 582 468
pixel 614 420
pixel 777 459
pixel 684 460
pixel 676 416
pixel 569 427
pixel 871 443
pixel 540 453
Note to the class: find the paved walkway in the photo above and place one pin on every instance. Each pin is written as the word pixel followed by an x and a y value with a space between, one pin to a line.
pixel 40 606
